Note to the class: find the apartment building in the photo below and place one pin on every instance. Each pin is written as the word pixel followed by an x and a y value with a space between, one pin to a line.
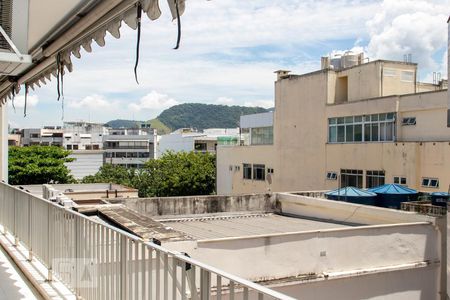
pixel 188 139
pixel 84 135
pixel 357 123
pixel 129 147
pixel 46 136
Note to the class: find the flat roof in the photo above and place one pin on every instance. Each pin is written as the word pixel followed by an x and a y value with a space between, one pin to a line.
pixel 214 226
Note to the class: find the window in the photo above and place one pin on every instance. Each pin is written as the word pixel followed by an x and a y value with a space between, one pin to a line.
pixel 269 171
pixel 200 146
pixel 69 147
pixel 374 178
pixel 262 136
pixel 430 182
pixel 247 171
pixel 389 72
pixel 352 178
pixel 407 76
pixel 259 172
pixel 409 121
pixel 95 147
pixel 400 180
pixel 121 154
pixel 88 147
pixel 34 135
pixel 331 176
pixel 75 147
pixel 368 128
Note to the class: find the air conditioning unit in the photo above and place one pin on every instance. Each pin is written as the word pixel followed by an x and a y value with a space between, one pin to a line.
pixel 14 56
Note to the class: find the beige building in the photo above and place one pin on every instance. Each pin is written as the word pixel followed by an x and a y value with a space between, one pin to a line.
pixel 362 125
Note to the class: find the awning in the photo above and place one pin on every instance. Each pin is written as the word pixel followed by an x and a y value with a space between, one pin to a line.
pixel 107 16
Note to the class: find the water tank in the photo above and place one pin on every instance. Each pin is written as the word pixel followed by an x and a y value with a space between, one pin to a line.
pixel 440 198
pixel 350 59
pixel 352 195
pixel 391 195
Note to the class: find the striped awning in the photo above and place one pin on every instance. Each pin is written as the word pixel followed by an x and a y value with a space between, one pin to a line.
pixel 107 16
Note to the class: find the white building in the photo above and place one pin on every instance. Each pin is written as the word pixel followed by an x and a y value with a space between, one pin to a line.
pixel 186 139
pixel 84 135
pixel 129 147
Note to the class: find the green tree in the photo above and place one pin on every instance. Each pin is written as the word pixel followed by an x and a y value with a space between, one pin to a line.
pixel 174 174
pixel 38 164
pixel 182 174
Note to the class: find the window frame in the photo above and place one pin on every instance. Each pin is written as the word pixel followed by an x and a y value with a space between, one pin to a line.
pixel 247 167
pixel 429 181
pixel 400 180
pixel 259 168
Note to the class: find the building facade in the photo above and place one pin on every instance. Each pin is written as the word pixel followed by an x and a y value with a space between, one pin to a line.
pixel 364 125
pixel 84 135
pixel 129 148
pixel 46 136
pixel 187 139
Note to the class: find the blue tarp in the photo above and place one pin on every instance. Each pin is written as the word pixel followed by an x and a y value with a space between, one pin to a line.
pixel 393 189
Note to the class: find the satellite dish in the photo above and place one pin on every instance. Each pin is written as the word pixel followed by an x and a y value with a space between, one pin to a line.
pixel 269 178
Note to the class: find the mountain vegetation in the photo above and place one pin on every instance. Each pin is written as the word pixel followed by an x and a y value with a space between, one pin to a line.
pixel 202 116
pixel 119 123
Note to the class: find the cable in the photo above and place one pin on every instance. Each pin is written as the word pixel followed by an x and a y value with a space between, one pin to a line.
pixel 26 98
pixel 138 42
pixel 179 26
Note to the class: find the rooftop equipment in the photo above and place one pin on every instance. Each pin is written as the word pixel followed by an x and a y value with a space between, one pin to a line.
pixel 353 195
pixel 440 198
pixel 391 195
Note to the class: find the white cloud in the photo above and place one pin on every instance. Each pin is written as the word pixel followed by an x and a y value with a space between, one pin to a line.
pixel 225 100
pixel 261 103
pixel 409 27
pixel 94 101
pixel 19 101
pixel 153 101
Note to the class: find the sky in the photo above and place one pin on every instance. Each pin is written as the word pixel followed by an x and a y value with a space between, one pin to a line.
pixel 229 51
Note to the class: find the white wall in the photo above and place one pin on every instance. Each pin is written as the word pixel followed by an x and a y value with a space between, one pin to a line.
pixel 87 163
pixel 175 142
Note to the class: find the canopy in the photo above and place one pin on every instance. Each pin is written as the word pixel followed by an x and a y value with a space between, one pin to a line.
pixel 392 189
pixel 445 194
pixel 350 191
pixel 54 58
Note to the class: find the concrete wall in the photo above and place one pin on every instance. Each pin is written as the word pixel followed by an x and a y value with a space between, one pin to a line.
pixel 365 262
pixel 230 162
pixel 200 204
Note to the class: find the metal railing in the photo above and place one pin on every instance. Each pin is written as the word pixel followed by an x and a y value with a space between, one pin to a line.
pixel 98 261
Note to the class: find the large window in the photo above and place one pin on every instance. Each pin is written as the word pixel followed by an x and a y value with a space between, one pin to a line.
pixel 262 136
pixel 352 178
pixel 374 178
pixel 368 128
pixel 259 172
pixel 247 171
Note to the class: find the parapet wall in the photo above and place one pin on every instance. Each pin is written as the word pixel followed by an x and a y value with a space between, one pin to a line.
pixel 190 205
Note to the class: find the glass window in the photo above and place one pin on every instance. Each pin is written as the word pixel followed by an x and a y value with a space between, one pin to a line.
pixel 259 172
pixel 357 133
pixel 407 76
pixel 372 128
pixel 262 136
pixel 349 133
pixel 341 134
pixel 374 179
pixel 332 134
pixel 247 171
pixel 352 178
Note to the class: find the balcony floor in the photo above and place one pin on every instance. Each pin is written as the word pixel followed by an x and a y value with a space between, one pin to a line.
pixel 13 284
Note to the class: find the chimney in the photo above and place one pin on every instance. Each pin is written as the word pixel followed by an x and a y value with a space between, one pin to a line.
pixel 282 74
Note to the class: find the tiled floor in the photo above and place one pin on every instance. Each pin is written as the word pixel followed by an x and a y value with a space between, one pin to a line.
pixel 13 284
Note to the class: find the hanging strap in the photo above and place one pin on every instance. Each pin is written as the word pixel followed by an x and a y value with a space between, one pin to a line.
pixel 26 98
pixel 58 62
pixel 12 99
pixel 179 25
pixel 138 41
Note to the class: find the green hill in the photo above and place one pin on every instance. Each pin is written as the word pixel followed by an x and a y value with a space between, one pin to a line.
pixel 124 123
pixel 202 116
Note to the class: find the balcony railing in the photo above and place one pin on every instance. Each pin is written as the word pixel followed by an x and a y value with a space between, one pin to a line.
pixel 98 261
